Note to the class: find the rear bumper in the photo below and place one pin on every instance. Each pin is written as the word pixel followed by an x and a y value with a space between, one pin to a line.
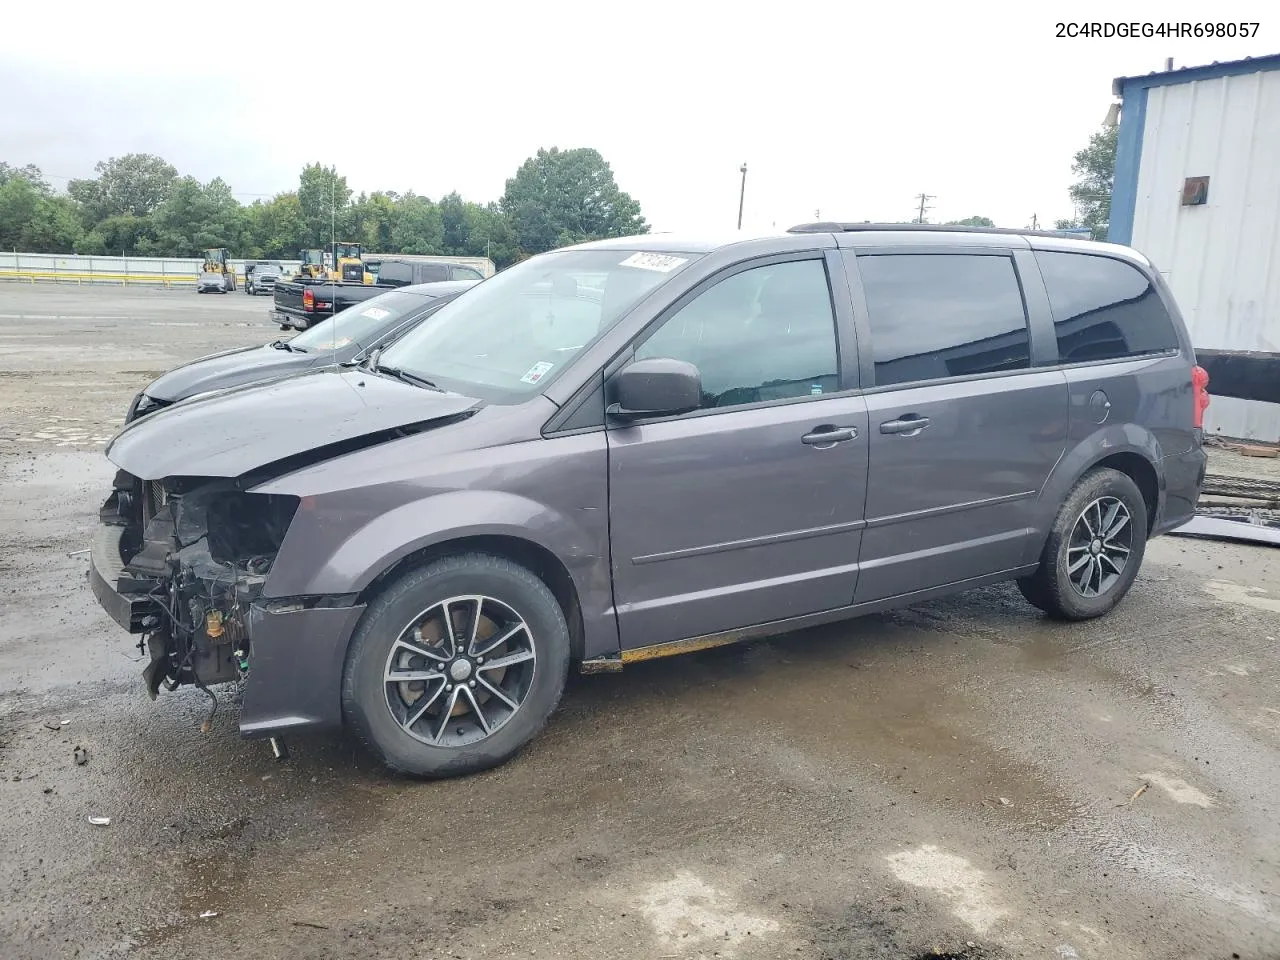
pixel 1183 477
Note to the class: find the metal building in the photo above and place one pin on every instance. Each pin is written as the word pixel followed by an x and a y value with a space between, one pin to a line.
pixel 1197 189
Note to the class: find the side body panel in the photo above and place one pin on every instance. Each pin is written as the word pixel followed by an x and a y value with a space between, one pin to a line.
pixel 727 520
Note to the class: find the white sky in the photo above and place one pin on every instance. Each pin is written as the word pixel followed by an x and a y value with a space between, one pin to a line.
pixel 846 108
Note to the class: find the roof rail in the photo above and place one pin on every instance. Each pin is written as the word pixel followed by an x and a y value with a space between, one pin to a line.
pixel 832 227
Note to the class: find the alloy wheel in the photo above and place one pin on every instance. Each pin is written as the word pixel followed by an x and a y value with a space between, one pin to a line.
pixel 459 671
pixel 1099 547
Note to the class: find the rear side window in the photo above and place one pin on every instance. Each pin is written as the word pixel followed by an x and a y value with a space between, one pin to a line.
pixel 935 316
pixel 1103 309
pixel 431 272
pixel 399 274
pixel 466 273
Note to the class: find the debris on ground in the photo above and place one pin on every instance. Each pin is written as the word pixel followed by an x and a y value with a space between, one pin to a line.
pixel 208 914
pixel 304 923
pixel 1136 794
pixel 80 755
pixel 100 821
pixel 55 724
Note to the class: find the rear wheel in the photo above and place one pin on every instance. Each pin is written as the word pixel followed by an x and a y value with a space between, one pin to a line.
pixel 455 666
pixel 1094 550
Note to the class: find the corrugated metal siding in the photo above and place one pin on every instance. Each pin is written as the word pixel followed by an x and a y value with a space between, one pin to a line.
pixel 1221 259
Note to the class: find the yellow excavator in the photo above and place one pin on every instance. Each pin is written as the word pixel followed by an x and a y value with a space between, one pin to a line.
pixel 218 260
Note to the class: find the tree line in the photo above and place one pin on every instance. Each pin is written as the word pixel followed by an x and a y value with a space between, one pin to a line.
pixel 138 205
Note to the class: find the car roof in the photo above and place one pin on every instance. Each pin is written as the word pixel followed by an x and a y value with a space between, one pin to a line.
pixel 440 288
pixel 867 234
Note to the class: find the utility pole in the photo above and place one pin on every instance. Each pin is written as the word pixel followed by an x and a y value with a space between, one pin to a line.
pixel 742 193
pixel 1035 223
pixel 922 198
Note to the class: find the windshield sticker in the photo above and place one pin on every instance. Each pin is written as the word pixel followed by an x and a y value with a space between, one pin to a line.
pixel 661 262
pixel 333 344
pixel 537 372
pixel 375 313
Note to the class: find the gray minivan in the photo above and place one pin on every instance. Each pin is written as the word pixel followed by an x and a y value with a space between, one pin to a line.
pixel 650 445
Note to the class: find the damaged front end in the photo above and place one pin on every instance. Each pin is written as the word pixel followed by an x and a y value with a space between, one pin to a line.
pixel 180 562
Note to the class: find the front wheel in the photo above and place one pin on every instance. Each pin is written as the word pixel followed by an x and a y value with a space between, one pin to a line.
pixel 1094 549
pixel 455 666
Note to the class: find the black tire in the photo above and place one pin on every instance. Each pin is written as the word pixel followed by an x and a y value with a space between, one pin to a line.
pixel 367 697
pixel 1053 588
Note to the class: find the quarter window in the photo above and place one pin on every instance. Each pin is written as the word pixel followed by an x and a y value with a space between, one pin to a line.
pixel 767 333
pixel 1103 309
pixel 935 316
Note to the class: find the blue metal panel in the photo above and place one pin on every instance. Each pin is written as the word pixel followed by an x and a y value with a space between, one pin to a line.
pixel 1213 71
pixel 1124 190
pixel 1133 120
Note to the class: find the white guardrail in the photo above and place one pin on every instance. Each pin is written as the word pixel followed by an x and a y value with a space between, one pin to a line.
pixel 119 271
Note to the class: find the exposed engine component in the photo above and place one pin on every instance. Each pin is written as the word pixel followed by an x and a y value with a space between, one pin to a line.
pixel 200 551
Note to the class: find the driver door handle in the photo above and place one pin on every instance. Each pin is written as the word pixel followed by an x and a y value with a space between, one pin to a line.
pixel 910 424
pixel 829 436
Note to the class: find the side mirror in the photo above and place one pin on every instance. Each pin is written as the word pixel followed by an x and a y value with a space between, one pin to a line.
pixel 657 387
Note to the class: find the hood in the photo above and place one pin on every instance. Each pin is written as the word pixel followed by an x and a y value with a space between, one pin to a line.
pixel 246 428
pixel 230 369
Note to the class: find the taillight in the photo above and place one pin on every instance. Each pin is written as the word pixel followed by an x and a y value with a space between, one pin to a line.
pixel 1200 387
pixel 309 302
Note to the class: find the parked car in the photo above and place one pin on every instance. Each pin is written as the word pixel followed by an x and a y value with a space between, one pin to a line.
pixel 302 302
pixel 261 278
pixel 342 339
pixel 211 282
pixel 648 445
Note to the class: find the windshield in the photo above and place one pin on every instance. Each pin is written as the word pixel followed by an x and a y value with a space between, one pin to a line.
pixel 312 256
pixel 505 338
pixel 347 251
pixel 363 323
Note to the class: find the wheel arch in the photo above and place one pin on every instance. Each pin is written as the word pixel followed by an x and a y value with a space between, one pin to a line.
pixel 1129 448
pixel 535 557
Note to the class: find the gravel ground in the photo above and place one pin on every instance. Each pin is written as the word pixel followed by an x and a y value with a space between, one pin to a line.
pixel 959 778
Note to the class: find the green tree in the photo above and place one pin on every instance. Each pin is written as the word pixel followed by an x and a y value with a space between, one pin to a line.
pixel 559 197
pixel 972 222
pixel 274 229
pixel 324 197
pixel 371 219
pixel 30 173
pixel 196 216
pixel 132 185
pixel 1095 170
pixel 416 227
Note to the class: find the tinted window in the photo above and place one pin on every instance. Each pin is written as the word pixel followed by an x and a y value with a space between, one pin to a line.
pixel 763 334
pixel 466 273
pixel 1103 308
pixel 943 315
pixel 399 274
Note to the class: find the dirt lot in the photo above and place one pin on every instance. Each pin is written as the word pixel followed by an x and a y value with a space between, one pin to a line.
pixel 959 777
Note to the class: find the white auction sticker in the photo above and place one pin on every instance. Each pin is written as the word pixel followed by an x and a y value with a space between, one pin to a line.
pixel 375 313
pixel 537 372
pixel 661 262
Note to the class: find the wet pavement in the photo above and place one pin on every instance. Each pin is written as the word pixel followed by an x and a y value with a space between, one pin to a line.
pixel 960 778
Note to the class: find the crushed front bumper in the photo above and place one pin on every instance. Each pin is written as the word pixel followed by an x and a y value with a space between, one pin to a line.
pixel 106 571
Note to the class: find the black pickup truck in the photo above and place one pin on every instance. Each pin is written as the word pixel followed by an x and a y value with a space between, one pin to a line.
pixel 302 302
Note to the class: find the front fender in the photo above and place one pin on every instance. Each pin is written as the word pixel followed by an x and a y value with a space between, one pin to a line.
pixel 351 564
pixel 1106 441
